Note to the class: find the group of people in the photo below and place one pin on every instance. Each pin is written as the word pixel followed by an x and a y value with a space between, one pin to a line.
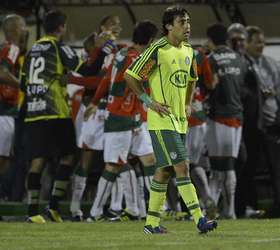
pixel 160 112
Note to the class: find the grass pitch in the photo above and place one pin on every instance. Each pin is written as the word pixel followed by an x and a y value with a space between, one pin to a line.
pixel 238 234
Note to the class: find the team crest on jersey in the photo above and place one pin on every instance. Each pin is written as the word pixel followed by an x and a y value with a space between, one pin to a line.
pixel 179 78
pixel 187 60
pixel 173 155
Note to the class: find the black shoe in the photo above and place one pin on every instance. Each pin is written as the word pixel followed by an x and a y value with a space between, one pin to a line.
pixel 148 229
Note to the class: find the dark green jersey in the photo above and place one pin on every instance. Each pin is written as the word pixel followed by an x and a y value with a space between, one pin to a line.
pixel 46 97
pixel 225 100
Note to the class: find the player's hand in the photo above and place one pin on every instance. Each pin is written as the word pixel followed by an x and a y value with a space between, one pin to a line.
pixel 90 110
pixel 161 109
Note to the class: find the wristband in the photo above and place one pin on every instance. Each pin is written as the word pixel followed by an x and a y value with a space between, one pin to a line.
pixel 145 98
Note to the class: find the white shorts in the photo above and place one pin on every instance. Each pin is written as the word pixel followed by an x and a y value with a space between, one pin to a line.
pixel 195 142
pixel 7 131
pixel 79 122
pixel 141 141
pixel 222 140
pixel 93 131
pixel 118 144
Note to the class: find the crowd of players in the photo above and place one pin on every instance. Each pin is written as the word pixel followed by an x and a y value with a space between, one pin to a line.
pixel 78 114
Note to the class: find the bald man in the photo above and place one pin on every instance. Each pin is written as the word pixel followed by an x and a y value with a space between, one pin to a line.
pixel 14 28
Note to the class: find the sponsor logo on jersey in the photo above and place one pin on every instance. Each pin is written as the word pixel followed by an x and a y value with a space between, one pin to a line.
pixel 179 78
pixel 173 155
pixel 187 60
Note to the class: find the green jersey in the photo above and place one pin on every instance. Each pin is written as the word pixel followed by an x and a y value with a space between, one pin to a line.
pixel 168 69
pixel 46 98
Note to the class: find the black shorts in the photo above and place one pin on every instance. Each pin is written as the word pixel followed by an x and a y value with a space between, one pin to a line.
pixel 49 138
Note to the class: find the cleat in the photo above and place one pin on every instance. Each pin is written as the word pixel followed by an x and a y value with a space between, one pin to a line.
pixel 125 216
pixel 77 218
pixel 205 225
pixel 100 218
pixel 113 215
pixel 54 215
pixel 254 214
pixel 148 229
pixel 37 219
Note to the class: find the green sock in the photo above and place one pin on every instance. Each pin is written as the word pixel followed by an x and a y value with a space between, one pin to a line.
pixel 188 193
pixel 157 198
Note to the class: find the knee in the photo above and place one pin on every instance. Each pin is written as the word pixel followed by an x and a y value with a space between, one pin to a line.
pixel 182 169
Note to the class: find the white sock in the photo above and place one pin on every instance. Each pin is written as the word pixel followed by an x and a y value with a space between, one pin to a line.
pixel 200 181
pixel 216 183
pixel 130 191
pixel 141 197
pixel 117 195
pixel 229 194
pixel 104 188
pixel 78 187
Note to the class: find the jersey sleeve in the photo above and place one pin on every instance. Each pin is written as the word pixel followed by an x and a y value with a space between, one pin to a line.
pixel 144 64
pixel 213 63
pixel 193 77
pixel 69 57
pixel 9 57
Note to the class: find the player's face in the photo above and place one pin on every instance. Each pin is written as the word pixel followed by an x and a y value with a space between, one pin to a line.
pixel 181 28
pixel 238 42
pixel 113 25
pixel 256 45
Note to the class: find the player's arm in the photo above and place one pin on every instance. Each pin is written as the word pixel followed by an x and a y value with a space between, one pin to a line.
pixel 101 91
pixel 191 86
pixel 7 78
pixel 7 62
pixel 210 77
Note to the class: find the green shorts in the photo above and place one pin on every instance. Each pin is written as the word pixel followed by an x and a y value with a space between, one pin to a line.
pixel 169 147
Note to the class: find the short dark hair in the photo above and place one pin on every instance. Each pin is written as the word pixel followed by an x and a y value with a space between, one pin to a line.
pixel 53 19
pixel 252 30
pixel 143 32
pixel 170 14
pixel 217 33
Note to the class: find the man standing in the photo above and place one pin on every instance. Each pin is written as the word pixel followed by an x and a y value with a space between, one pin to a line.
pixel 49 129
pixel 14 30
pixel 170 67
pixel 224 125
pixel 261 117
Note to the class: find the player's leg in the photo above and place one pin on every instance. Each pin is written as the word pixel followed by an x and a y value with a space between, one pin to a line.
pixel 91 139
pixel 7 132
pixel 195 144
pixel 223 144
pixel 116 147
pixel 159 183
pixel 116 198
pixel 64 133
pixel 130 189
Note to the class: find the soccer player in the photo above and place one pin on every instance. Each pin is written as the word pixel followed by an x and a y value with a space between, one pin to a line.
pixel 48 126
pixel 122 132
pixel 225 123
pixel 170 67
pixel 15 32
pixel 196 136
pixel 92 131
